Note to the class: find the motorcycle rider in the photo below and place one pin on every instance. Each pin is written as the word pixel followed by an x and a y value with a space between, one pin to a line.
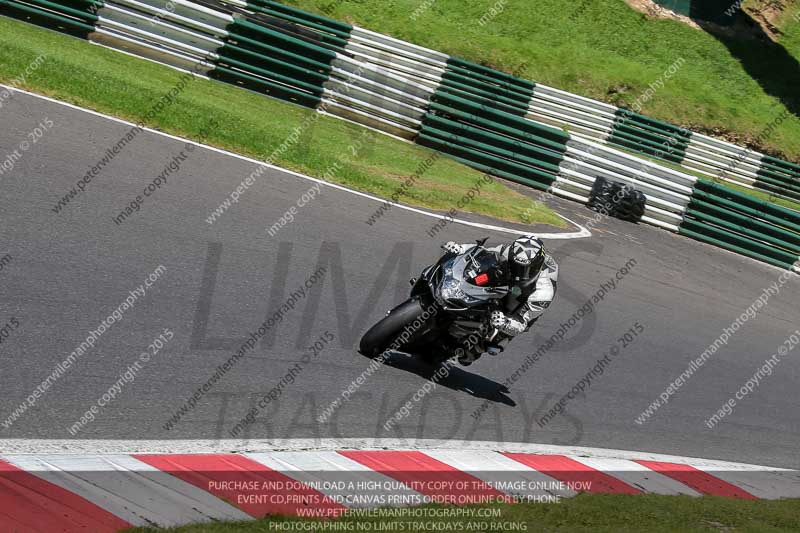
pixel 532 276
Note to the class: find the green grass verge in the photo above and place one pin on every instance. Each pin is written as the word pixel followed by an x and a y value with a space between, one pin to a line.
pixel 582 514
pixel 603 49
pixel 790 25
pixel 251 124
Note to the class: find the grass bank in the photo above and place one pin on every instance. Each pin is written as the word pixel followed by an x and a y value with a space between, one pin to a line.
pixel 603 49
pixel 78 72
pixel 582 514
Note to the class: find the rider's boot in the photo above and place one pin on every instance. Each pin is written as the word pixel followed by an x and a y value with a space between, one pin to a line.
pixel 494 349
pixel 466 357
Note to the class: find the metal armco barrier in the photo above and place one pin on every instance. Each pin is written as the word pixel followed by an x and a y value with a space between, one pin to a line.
pixel 490 120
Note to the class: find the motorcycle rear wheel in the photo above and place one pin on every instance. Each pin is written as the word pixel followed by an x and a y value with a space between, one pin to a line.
pixel 383 335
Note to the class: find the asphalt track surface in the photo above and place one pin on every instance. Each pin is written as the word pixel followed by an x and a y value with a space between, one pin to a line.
pixel 70 270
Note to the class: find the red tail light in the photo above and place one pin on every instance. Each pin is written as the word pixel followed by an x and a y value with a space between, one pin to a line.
pixel 482 279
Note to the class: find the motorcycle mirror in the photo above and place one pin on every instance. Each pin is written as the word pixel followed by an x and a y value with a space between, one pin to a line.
pixel 481 242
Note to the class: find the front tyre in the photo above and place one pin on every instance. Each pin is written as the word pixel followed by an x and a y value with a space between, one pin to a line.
pixel 386 332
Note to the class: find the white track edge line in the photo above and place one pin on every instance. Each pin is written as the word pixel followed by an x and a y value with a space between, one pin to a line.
pixel 583 233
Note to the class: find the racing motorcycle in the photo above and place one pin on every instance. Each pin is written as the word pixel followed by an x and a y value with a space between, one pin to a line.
pixel 448 312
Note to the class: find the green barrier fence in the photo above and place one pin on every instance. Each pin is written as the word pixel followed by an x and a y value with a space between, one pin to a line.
pixel 280 22
pixel 778 179
pixel 41 17
pixel 780 163
pixel 510 131
pixel 649 136
pixel 225 61
pixel 270 63
pixel 486 164
pixel 240 59
pixel 521 124
pixel 486 102
pixel 767 186
pixel 778 185
pixel 488 81
pixel 337 37
pixel 515 171
pixel 452 78
pixel 783 174
pixel 780 236
pixel 652 149
pixel 645 139
pixel 254 83
pixel 545 170
pixel 307 16
pixel 764 209
pixel 523 84
pixel 628 114
pixel 744 230
pixel 80 14
pixel 544 155
pixel 735 243
pixel 652 131
pixel 737 222
pixel 250 29
pixel 467 91
pixel 246 43
pixel 752 213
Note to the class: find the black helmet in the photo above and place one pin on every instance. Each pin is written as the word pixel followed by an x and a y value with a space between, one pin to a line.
pixel 526 258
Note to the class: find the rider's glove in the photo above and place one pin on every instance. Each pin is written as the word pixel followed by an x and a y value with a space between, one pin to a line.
pixel 451 247
pixel 508 325
pixel 498 320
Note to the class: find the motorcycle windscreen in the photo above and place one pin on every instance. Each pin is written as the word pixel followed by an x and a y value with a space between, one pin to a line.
pixel 485 270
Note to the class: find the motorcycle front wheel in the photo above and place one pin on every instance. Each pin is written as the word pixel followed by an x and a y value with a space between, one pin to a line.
pixel 383 335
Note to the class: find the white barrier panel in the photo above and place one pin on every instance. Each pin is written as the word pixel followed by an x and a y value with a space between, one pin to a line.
pixel 432 55
pixel 133 25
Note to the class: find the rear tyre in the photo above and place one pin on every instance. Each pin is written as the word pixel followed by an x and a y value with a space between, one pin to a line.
pixel 382 335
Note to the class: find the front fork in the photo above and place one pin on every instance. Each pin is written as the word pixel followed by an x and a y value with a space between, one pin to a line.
pixel 485 340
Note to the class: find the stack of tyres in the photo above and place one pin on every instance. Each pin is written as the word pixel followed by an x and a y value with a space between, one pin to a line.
pixel 632 205
pixel 601 199
pixel 617 199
